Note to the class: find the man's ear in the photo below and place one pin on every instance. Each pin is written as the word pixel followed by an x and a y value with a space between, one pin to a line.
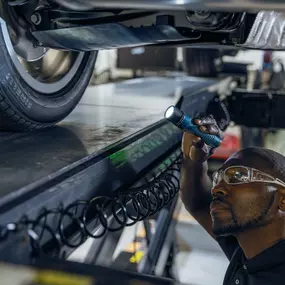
pixel 282 199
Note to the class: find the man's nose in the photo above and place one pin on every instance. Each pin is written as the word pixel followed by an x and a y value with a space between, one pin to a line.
pixel 219 189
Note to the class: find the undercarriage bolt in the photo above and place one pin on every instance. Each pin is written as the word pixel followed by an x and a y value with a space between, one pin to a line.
pixel 36 18
pixel 202 14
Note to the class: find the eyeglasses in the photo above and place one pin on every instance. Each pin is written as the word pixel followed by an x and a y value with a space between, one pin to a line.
pixel 241 174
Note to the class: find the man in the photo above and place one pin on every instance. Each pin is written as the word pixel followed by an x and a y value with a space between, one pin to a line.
pixel 243 208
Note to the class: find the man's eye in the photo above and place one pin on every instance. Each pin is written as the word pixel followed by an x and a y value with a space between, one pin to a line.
pixel 238 177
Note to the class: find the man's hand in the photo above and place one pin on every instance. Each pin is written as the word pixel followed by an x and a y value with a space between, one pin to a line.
pixel 193 147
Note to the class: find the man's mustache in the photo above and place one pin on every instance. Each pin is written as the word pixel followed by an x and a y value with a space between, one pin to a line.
pixel 221 199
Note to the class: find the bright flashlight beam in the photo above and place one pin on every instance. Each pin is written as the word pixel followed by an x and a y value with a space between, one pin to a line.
pixel 169 112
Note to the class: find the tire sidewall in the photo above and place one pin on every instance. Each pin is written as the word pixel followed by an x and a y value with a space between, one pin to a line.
pixel 35 106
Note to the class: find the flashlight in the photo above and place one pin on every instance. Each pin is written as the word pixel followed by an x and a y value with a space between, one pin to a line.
pixel 184 122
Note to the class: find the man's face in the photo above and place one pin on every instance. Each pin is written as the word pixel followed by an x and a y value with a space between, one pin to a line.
pixel 237 208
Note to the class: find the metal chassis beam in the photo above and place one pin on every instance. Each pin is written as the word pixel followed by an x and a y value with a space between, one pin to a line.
pixel 216 5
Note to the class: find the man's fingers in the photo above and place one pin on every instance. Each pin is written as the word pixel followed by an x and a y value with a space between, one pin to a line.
pixel 201 121
pixel 221 134
pixel 214 130
pixel 211 129
pixel 198 144
pixel 189 137
pixel 203 129
pixel 194 147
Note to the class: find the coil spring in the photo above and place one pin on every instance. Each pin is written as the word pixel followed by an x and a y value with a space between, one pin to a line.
pixel 102 213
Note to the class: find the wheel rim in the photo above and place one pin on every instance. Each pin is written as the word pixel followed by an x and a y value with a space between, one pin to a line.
pixel 49 74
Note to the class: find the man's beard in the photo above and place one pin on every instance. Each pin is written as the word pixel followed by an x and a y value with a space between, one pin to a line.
pixel 235 226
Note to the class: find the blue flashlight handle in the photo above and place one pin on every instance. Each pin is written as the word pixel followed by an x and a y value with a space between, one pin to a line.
pixel 188 125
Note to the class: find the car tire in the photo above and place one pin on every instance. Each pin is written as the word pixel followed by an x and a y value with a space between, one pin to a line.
pixel 27 105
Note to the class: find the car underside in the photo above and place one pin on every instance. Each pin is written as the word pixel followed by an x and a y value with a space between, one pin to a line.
pixel 94 25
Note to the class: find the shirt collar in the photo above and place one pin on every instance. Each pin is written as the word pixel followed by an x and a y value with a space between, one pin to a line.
pixel 271 257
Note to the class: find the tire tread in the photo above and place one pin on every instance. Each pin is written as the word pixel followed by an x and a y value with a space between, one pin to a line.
pixel 13 119
pixel 16 119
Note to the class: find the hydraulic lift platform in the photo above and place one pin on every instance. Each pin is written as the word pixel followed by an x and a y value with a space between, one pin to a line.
pixel 92 173
pixel 106 114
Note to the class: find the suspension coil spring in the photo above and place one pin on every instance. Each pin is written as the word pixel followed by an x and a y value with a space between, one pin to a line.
pixel 101 214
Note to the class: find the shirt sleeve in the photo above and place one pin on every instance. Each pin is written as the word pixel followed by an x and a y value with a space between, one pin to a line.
pixel 229 245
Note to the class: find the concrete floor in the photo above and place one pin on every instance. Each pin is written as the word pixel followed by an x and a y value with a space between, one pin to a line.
pixel 203 262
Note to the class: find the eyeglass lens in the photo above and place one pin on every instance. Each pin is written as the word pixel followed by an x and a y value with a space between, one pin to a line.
pixel 236 175
pixel 232 175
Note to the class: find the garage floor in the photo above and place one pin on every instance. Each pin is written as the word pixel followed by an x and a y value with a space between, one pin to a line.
pixel 200 260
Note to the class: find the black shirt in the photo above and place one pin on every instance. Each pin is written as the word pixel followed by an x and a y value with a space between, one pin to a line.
pixel 267 268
